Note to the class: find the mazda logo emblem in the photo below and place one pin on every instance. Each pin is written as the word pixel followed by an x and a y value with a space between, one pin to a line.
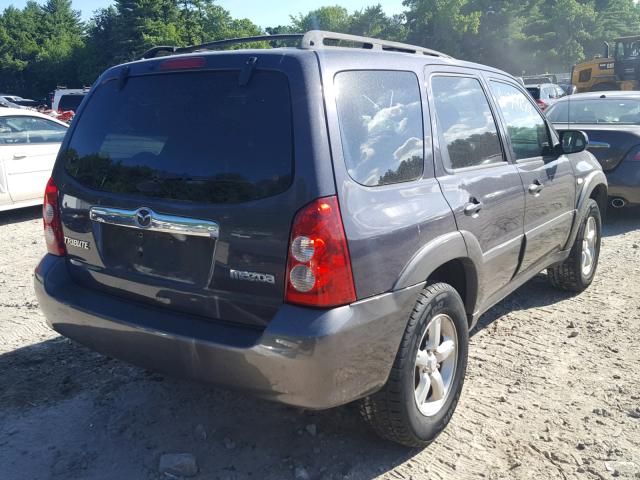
pixel 143 217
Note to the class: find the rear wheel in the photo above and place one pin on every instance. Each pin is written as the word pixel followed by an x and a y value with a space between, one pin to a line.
pixel 577 271
pixel 426 380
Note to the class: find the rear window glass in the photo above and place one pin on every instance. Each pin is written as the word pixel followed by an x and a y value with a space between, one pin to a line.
pixel 197 136
pixel 381 125
pixel 534 92
pixel 597 110
pixel 70 102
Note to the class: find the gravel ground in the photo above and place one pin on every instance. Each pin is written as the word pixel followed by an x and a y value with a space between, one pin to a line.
pixel 552 391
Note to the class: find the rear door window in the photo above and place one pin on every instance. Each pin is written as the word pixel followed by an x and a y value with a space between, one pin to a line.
pixel 196 136
pixel 380 115
pixel 465 123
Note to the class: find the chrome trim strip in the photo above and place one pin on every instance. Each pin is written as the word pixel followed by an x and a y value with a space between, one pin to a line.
pixel 144 218
pixel 596 144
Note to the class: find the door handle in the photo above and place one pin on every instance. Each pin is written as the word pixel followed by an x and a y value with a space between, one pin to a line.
pixel 536 187
pixel 473 207
pixel 18 156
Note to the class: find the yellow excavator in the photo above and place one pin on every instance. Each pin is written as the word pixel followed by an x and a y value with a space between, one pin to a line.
pixel 620 71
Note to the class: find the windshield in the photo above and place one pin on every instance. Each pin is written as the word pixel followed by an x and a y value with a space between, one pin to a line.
pixel 187 136
pixel 628 49
pixel 596 111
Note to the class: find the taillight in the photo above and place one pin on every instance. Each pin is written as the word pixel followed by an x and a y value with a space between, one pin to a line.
pixel 52 223
pixel 636 157
pixel 318 267
pixel 541 104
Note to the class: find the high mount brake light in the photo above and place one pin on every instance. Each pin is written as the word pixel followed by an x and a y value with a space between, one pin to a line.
pixel 318 267
pixel 182 63
pixel 52 223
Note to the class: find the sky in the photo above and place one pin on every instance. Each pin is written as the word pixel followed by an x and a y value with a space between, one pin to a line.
pixel 264 13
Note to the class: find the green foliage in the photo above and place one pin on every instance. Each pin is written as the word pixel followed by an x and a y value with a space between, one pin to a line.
pixel 370 22
pixel 46 44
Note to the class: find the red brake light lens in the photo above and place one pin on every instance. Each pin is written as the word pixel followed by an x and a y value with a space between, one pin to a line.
pixel 541 104
pixel 319 268
pixel 52 223
pixel 182 63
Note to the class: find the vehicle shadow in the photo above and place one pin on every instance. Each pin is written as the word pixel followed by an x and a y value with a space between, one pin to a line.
pixel 20 215
pixel 619 221
pixel 537 292
pixel 66 411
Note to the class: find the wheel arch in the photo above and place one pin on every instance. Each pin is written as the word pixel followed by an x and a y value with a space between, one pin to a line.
pixel 444 259
pixel 600 195
pixel 594 187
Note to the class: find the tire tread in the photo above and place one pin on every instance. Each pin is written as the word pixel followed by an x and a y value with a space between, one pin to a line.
pixel 566 275
pixel 383 410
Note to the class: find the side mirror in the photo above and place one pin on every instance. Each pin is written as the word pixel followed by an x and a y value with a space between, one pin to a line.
pixel 573 141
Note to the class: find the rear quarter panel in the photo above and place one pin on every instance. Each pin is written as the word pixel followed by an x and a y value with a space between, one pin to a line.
pixel 386 226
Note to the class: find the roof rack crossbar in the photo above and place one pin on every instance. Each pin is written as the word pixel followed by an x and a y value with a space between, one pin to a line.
pixel 312 40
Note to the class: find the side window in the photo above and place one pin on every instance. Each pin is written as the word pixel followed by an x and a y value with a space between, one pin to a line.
pixel 380 114
pixel 11 133
pixel 465 122
pixel 525 126
pixel 585 75
pixel 22 129
pixel 44 131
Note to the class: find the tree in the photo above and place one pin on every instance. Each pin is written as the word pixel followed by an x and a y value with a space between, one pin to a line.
pixel 442 24
pixel 335 19
pixel 46 43
pixel 373 22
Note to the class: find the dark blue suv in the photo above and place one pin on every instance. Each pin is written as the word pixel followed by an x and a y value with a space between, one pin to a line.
pixel 315 224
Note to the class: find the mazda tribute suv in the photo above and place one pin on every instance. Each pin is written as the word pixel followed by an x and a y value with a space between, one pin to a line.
pixel 316 224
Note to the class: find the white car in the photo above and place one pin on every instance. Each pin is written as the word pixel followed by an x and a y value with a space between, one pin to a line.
pixel 29 144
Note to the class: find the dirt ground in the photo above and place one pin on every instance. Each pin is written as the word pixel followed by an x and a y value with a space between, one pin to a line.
pixel 552 391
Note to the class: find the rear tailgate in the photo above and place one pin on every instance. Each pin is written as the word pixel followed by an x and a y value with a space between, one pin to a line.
pixel 179 186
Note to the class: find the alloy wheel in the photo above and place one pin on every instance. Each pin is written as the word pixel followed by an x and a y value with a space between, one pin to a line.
pixel 589 244
pixel 435 364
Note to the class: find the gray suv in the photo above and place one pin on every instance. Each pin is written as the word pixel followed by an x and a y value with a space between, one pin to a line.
pixel 316 224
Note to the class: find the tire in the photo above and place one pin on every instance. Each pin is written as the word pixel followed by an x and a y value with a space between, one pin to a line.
pixel 393 411
pixel 570 274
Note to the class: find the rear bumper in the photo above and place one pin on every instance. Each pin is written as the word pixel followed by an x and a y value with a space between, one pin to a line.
pixel 305 357
pixel 624 181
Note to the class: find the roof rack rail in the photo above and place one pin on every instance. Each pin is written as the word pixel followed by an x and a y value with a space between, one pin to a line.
pixel 151 53
pixel 316 39
pixel 312 40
